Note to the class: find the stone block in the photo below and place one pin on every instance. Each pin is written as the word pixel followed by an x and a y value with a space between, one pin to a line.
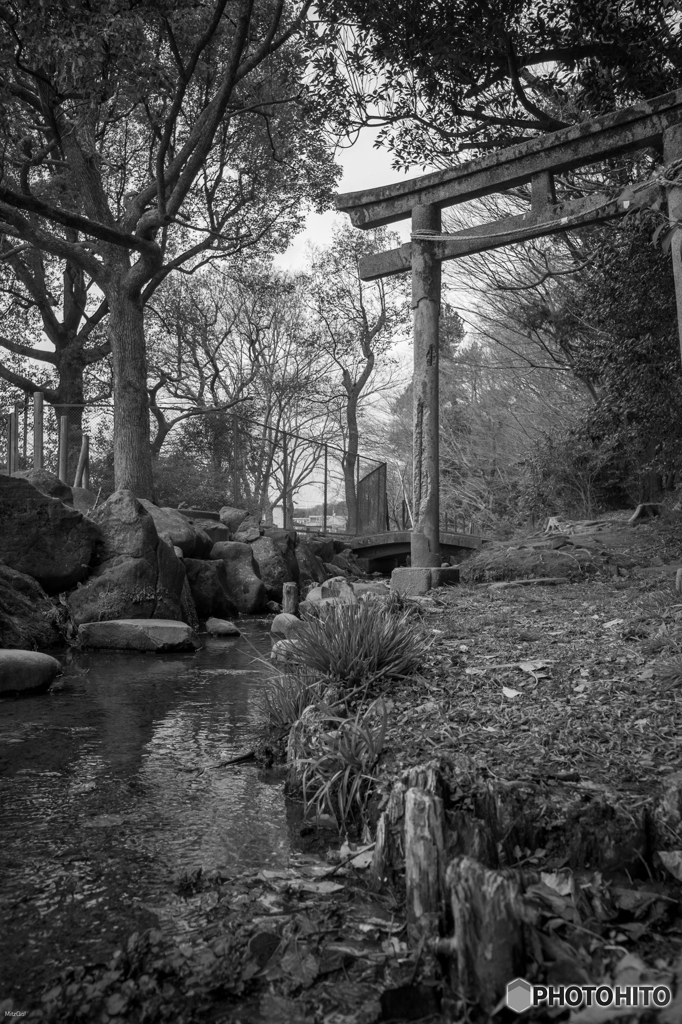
pixel 411 581
pixel 446 576
pixel 139 635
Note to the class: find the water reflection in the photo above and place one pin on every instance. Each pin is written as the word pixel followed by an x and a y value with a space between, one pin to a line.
pixel 109 790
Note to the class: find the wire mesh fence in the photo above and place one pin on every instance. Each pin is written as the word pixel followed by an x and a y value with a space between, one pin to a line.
pixel 206 461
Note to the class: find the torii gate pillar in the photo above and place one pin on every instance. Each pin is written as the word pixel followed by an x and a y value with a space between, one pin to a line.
pixel 426 285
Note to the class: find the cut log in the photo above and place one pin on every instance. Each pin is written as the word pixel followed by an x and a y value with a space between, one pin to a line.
pixel 424 863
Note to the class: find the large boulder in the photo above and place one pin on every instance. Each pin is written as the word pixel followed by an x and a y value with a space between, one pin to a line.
pixel 44 538
pixel 137 575
pixel 26 670
pixel 83 499
pixel 209 585
pixel 232 518
pixel 47 483
pixel 28 618
pixel 323 547
pixel 285 541
pixel 155 635
pixel 274 569
pixel 311 568
pixel 245 586
pixel 171 525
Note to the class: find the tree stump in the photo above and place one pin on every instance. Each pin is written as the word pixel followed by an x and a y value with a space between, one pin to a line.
pixel 646 510
pixel 290 598
pixel 424 862
pixel 488 947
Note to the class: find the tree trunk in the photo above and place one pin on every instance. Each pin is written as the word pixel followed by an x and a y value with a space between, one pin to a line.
pixel 132 452
pixel 350 458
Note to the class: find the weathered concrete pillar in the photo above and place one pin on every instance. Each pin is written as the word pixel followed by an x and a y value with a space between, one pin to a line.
pixel 672 150
pixel 426 275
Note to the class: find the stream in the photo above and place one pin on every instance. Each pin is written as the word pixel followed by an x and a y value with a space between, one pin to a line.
pixel 109 793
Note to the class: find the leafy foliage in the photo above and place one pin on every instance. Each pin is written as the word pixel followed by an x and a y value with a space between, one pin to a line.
pixel 449 77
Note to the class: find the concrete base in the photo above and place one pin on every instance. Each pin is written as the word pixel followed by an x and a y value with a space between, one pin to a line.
pixel 417 581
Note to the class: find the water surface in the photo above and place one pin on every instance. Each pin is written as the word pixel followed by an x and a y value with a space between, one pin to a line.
pixel 110 790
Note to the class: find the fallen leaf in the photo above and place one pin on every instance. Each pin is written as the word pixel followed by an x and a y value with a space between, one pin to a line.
pixel 672 860
pixel 510 693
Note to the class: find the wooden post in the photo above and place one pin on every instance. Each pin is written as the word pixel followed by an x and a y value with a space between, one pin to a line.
pixel 82 461
pixel 290 598
pixel 63 448
pixel 426 278
pixel 24 442
pixel 38 420
pixel 357 493
pixel 672 151
pixel 324 505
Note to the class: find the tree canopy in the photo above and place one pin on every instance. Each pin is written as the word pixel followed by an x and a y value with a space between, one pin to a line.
pixel 449 76
pixel 143 137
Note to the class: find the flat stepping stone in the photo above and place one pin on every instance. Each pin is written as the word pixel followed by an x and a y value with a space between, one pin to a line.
pixel 139 635
pixel 26 670
pixel 221 627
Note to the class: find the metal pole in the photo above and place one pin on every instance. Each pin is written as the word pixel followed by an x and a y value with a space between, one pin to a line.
pixel 63 448
pixel 11 428
pixel 235 474
pixel 285 474
pixel 426 280
pixel 25 441
pixel 37 430
pixel 672 150
pixel 324 505
pixel 17 410
pixel 357 494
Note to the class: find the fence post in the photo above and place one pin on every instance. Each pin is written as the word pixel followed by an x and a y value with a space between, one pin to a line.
pixel 38 429
pixel 324 505
pixel 63 448
pixel 82 461
pixel 285 475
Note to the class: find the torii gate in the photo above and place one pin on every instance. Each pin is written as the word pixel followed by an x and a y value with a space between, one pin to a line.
pixel 651 123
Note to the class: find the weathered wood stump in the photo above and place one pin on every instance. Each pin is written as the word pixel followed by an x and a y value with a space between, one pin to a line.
pixel 290 598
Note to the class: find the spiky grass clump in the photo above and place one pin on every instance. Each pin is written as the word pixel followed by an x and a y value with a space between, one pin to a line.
pixel 354 643
pixel 338 779
pixel 286 698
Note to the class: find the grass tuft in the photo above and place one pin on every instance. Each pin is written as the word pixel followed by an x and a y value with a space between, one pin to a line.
pixel 338 779
pixel 286 698
pixel 352 643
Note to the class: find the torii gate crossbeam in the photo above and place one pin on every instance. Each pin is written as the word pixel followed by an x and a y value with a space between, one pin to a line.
pixel 649 124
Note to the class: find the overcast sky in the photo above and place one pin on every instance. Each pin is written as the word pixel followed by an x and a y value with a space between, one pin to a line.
pixel 363 167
